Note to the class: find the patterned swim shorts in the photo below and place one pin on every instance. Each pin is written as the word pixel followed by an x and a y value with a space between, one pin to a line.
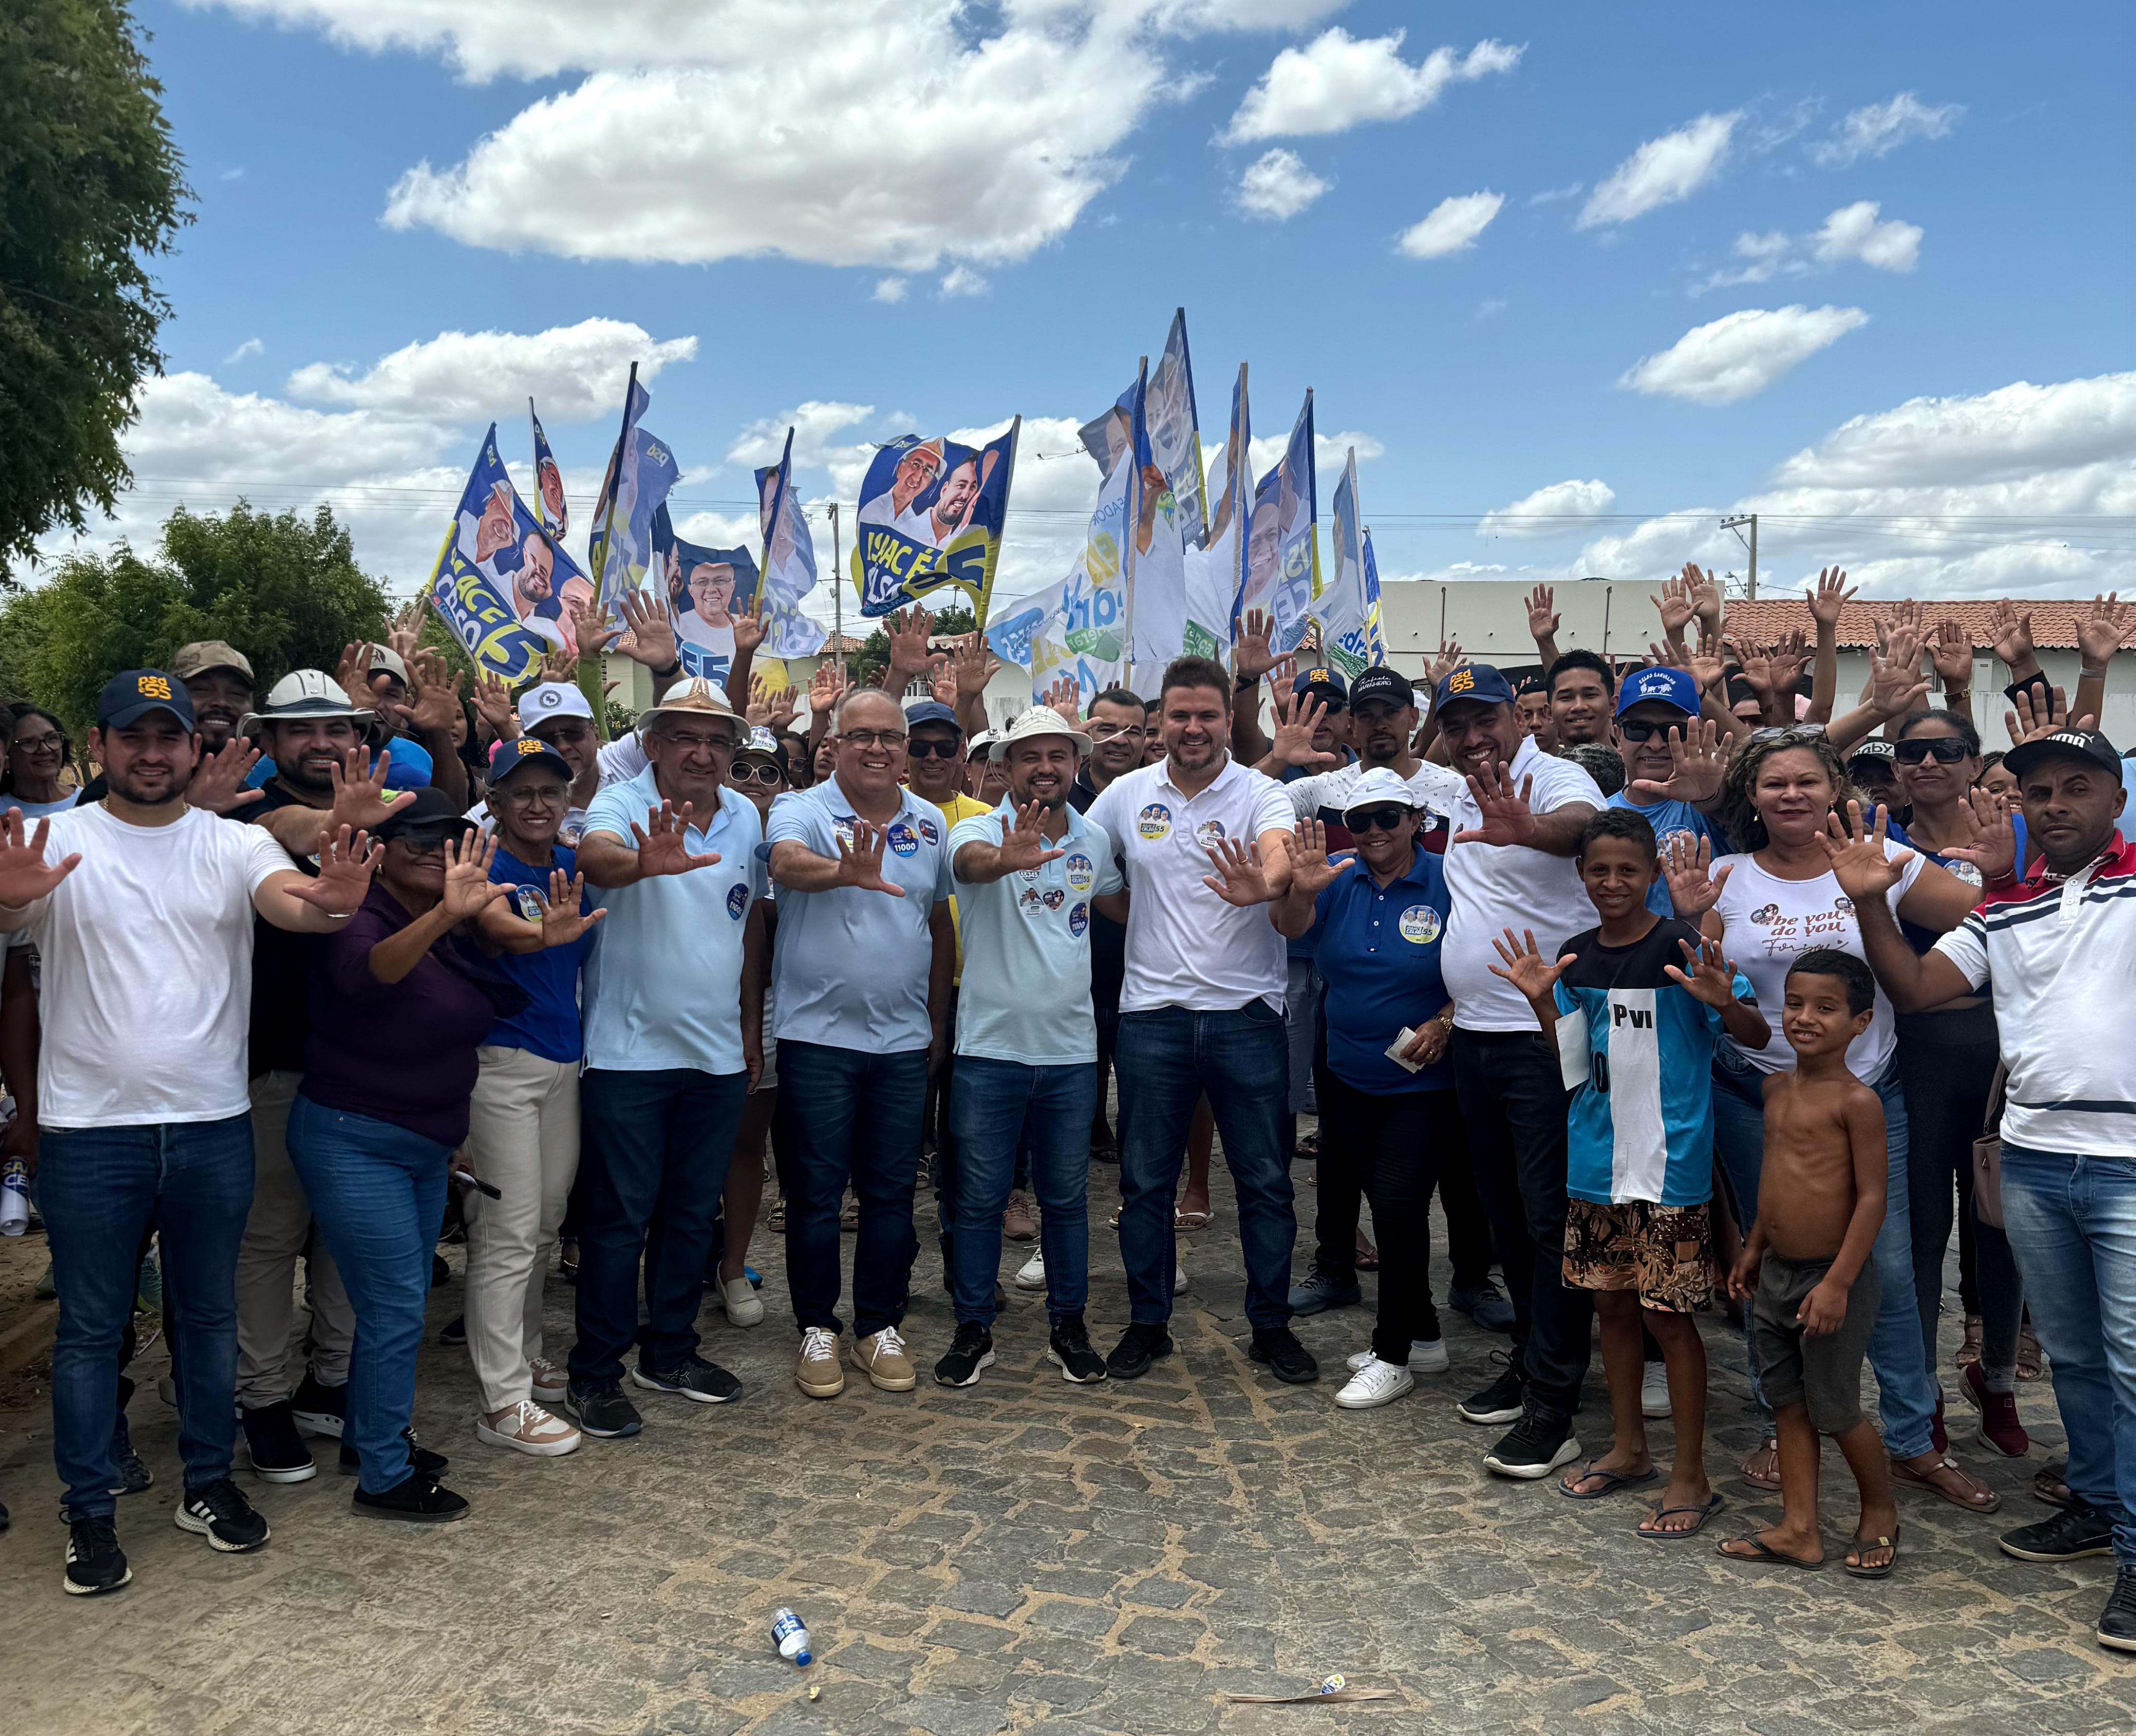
pixel 1663 1252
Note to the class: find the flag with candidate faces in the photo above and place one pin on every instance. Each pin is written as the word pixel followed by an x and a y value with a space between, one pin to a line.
pixel 1215 572
pixel 549 506
pixel 1082 631
pixel 790 563
pixel 1342 613
pixel 706 590
pixel 930 520
pixel 641 471
pixel 501 583
pixel 1376 636
pixel 1165 395
pixel 1156 559
pixel 1283 559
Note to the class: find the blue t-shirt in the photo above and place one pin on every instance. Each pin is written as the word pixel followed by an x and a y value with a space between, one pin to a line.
pixel 1640 1127
pixel 1921 939
pixel 411 769
pixel 1672 819
pixel 549 978
pixel 1379 957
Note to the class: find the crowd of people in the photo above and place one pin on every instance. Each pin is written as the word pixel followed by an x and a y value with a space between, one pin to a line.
pixel 1683 989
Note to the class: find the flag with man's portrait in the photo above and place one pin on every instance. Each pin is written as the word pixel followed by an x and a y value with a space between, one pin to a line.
pixel 931 519
pixel 790 563
pixel 1283 557
pixel 706 590
pixel 641 471
pixel 549 505
pixel 500 581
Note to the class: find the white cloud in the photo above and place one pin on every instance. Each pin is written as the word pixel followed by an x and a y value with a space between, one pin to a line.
pixel 1532 515
pixel 960 280
pixel 1551 195
pixel 1882 128
pixel 890 289
pixel 573 372
pixel 237 174
pixel 1662 171
pixel 1278 186
pixel 813 425
pixel 1853 232
pixel 1997 437
pixel 244 351
pixel 1738 355
pixel 1452 226
pixel 1338 81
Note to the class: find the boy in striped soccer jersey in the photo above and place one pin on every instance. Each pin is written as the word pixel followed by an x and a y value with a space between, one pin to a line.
pixel 1632 1009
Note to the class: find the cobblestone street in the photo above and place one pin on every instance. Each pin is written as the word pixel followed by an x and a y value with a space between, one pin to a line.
pixel 1029 1553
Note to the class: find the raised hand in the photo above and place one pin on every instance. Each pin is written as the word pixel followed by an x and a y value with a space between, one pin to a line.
pixel 1856 852
pixel 1704 664
pixel 1784 666
pixel 785 702
pixel 1506 817
pixel 1674 603
pixel 1450 658
pixel 826 686
pixel 1950 655
pixel 345 860
pixel 2011 634
pixel 749 628
pixel 1311 872
pixel 25 877
pixel 974 665
pixel 1297 716
pixel 944 687
pixel 2103 629
pixel 1251 657
pixel 2034 718
pixel 1697 761
pixel 590 632
pixel 1240 879
pixel 352 673
pixel 405 632
pixel 1828 597
pixel 1061 696
pixel 1687 869
pixel 1896 683
pixel 1523 965
pixel 1754 661
pixel 663 842
pixel 758 713
pixel 469 888
pixel 1542 612
pixel 908 631
pixel 562 664
pixel 217 783
pixel 1706 601
pixel 494 704
pixel 859 863
pixel 649 636
pixel 1023 846
pixel 360 798
pixel 436 710
pixel 1710 977
pixel 562 923
pixel 1991 844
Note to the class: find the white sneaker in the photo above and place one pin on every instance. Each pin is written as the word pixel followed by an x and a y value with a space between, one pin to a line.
pixel 1654 1391
pixel 1426 1356
pixel 739 1297
pixel 1376 1383
pixel 551 1383
pixel 527 1428
pixel 1178 1281
pixel 1030 1275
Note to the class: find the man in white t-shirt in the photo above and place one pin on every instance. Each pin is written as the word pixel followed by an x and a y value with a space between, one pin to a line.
pixel 1202 1009
pixel 1510 865
pixel 142 908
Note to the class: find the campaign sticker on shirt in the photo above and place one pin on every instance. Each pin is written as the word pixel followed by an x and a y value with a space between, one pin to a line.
pixel 1079 919
pixel 530 903
pixel 843 826
pixel 1419 925
pixel 1051 898
pixel 929 832
pixel 1081 873
pixel 737 901
pixel 570 832
pixel 902 839
pixel 1154 822
pixel 1208 834
pixel 1766 914
pixel 1843 905
pixel 1965 871
pixel 1666 845
pixel 1027 901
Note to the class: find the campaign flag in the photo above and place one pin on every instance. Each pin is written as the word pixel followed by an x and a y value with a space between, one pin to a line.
pixel 1342 613
pixel 1156 560
pixel 790 563
pixel 549 506
pixel 1215 572
pixel 706 588
pixel 1175 431
pixel 1282 558
pixel 1106 434
pixel 1083 631
pixel 931 518
pixel 641 471
pixel 500 581
pixel 1013 636
pixel 1376 636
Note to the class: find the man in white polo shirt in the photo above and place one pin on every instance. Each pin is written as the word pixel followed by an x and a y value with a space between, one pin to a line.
pixel 1202 1009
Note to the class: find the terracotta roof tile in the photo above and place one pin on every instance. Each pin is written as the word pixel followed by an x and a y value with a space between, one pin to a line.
pixel 2053 619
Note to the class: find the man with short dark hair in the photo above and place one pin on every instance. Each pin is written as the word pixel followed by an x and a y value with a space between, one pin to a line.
pixel 1673 766
pixel 1117 723
pixel 1580 685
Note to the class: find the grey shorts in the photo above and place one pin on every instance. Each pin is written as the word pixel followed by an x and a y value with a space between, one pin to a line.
pixel 1823 1375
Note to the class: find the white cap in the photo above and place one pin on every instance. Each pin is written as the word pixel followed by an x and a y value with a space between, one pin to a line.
pixel 1039 720
pixel 1379 787
pixel 545 700
pixel 385 657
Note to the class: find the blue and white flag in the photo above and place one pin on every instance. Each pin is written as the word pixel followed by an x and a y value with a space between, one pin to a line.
pixel 499 581
pixel 1215 572
pixel 1165 396
pixel 1082 633
pixel 1376 633
pixel 1156 560
pixel 790 563
pixel 1344 612
pixel 706 589
pixel 1282 559
pixel 641 471
pixel 931 519
pixel 548 483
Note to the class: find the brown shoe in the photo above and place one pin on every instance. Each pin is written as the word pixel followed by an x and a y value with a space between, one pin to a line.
pixel 1020 1222
pixel 818 1373
pixel 883 1358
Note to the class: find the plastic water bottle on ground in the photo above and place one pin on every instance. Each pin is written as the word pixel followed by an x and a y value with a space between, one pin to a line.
pixel 14 1197
pixel 791 1637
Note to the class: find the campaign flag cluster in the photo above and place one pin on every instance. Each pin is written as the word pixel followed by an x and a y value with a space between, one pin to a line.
pixel 501 583
pixel 1215 572
pixel 1283 556
pixel 931 519
pixel 1344 614
pixel 1156 588
pixel 790 563
pixel 641 471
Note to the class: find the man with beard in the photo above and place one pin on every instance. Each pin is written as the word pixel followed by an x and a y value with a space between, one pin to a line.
pixel 1673 766
pixel 218 678
pixel 953 503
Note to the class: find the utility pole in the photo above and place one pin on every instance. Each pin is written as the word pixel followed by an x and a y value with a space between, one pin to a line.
pixel 1752 520
pixel 837 594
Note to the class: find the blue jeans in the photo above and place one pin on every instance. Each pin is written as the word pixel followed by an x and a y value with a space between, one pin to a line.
pixel 2072 1223
pixel 851 1115
pixel 1907 1395
pixel 1166 1058
pixel 101 1190
pixel 653 1149
pixel 999 1108
pixel 378 1193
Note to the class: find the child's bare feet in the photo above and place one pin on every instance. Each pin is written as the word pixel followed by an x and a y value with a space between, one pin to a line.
pixel 1687 1503
pixel 1792 1549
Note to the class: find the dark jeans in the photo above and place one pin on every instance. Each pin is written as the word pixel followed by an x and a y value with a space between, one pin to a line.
pixel 1343 1178
pixel 851 1116
pixel 101 1190
pixel 1513 1106
pixel 1001 1109
pixel 653 1151
pixel 378 1191
pixel 1167 1059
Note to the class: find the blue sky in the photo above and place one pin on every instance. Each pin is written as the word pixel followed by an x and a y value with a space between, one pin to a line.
pixel 1078 167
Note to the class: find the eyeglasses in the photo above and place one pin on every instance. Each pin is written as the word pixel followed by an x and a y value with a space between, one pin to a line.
pixel 42 743
pixel 698 744
pixel 532 795
pixel 931 749
pixel 418 845
pixel 1376 819
pixel 765 774
pixel 872 738
pixel 1944 749
pixel 1633 731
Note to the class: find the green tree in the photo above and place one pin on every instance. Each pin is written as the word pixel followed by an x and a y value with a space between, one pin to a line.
pixel 873 657
pixel 284 590
pixel 90 191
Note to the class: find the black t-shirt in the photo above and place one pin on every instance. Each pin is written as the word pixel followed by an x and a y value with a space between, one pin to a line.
pixel 281 966
pixel 1108 940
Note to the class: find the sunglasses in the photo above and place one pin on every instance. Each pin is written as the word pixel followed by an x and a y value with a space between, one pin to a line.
pixel 1944 749
pixel 768 775
pixel 1376 819
pixel 1633 730
pixel 931 749
pixel 421 844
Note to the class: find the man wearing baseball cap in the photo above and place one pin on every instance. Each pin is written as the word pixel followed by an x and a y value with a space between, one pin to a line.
pixel 219 679
pixel 2057 951
pixel 1673 765
pixel 142 907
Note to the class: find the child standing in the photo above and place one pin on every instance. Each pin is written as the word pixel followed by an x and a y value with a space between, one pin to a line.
pixel 1808 1263
pixel 1632 1008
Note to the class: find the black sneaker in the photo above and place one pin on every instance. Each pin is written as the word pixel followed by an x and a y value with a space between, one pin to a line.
pixel 2078 1530
pixel 455 1332
pixel 318 1409
pixel 133 1475
pixel 94 1562
pixel 2117 1621
pixel 1140 1346
pixel 422 1460
pixel 972 1349
pixel 602 1411
pixel 220 1513
pixel 700 1381
pixel 1533 1447
pixel 1500 1402
pixel 1288 1360
pixel 415 1497
pixel 1069 1348
pixel 440 1273
pixel 277 1451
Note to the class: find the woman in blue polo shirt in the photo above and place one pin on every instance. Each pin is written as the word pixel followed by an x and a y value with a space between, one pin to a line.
pixel 1380 917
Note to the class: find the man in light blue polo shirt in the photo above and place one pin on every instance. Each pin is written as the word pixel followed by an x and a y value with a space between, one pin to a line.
pixel 860 970
pixel 674 1016
pixel 1028 875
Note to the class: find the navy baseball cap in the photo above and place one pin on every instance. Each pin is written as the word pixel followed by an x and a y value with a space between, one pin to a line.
pixel 1669 686
pixel 431 814
pixel 2067 745
pixel 506 757
pixel 1380 682
pixel 128 697
pixel 1478 681
pixel 932 711
pixel 1323 684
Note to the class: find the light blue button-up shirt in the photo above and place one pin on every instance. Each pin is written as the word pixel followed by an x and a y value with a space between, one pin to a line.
pixel 664 988
pixel 849 968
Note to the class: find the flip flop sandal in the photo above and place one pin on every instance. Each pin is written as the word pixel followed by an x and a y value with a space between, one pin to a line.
pixel 1367 1258
pixel 1704 1513
pixel 1193 1219
pixel 1907 1478
pixel 2028 1353
pixel 1759 1480
pixel 1613 1481
pixel 1761 1554
pixel 2051 1484
pixel 1855 1570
